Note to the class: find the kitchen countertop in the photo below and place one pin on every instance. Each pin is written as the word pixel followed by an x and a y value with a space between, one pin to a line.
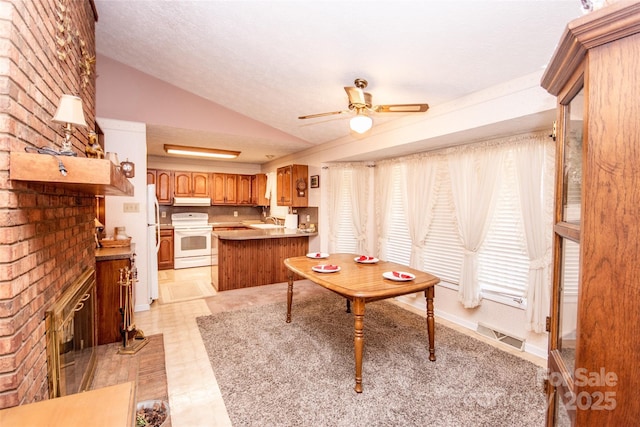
pixel 244 223
pixel 109 254
pixel 253 234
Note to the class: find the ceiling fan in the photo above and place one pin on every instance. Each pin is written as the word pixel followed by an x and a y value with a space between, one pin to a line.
pixel 360 103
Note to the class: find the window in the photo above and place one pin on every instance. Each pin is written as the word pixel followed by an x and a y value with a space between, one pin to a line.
pixel 503 263
pixel 443 251
pixel 399 244
pixel 346 239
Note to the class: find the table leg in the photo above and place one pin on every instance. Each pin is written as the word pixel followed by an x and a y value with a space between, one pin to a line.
pixel 289 296
pixel 429 293
pixel 358 340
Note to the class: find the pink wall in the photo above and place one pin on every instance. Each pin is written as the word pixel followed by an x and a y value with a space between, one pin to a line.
pixel 125 93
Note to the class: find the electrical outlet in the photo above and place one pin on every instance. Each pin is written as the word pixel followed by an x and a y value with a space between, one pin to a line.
pixel 131 207
pixel 235 213
pixel 308 218
pixel 163 214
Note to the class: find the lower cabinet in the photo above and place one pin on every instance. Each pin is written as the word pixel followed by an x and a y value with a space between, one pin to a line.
pixel 165 251
pixel 108 314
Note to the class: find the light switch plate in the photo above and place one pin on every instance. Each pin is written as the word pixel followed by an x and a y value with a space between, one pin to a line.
pixel 131 207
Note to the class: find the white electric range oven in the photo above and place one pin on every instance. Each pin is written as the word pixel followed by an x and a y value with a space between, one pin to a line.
pixel 191 239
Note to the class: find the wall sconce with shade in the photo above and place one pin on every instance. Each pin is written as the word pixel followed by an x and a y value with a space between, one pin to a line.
pixel 69 113
pixel 201 152
pixel 360 122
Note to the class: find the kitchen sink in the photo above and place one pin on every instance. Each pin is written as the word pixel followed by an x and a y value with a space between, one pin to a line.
pixel 265 226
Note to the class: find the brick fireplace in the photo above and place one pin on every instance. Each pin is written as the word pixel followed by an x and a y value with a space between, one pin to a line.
pixel 46 232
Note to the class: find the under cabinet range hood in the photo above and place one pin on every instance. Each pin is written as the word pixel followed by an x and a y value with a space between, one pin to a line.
pixel 191 201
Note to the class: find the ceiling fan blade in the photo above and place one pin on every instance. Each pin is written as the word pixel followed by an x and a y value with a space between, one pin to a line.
pixel 313 116
pixel 401 108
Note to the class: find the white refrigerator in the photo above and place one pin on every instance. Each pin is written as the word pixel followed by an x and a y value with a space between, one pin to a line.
pixel 153 240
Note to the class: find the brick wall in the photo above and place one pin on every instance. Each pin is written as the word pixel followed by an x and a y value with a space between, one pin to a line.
pixel 46 233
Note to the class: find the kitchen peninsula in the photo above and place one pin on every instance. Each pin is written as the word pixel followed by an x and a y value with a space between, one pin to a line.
pixel 253 257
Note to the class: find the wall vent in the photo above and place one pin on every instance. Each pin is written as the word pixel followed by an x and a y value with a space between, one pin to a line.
pixel 494 334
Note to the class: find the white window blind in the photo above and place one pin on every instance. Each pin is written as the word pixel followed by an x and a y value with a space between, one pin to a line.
pixel 399 242
pixel 503 263
pixel 346 240
pixel 443 250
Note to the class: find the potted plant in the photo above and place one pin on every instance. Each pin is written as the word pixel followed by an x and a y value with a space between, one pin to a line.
pixel 152 413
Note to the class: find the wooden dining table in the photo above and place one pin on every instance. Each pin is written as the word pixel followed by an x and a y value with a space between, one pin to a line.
pixel 361 283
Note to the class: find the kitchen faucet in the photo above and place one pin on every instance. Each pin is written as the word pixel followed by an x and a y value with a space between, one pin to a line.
pixel 272 218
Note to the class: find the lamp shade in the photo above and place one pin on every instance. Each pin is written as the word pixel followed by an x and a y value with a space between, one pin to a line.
pixel 70 111
pixel 360 123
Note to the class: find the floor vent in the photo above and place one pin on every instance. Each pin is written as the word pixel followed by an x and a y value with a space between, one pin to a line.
pixel 510 340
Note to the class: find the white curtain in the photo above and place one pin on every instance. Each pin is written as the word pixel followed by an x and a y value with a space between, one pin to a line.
pixel 334 181
pixel 359 202
pixel 383 182
pixel 474 183
pixel 534 172
pixel 419 176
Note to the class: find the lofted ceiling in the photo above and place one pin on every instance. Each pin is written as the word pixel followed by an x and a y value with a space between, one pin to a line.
pixel 273 61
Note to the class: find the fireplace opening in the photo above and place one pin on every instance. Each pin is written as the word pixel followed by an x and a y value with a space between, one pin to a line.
pixel 71 338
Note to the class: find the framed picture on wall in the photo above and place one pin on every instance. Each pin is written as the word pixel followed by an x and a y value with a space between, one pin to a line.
pixel 315 181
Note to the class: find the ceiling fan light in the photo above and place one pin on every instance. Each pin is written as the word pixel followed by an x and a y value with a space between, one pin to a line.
pixel 360 123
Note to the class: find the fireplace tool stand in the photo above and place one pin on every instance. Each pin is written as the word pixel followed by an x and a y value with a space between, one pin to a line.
pixel 133 339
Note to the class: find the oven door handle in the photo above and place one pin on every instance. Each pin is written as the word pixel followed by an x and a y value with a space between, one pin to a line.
pixel 192 231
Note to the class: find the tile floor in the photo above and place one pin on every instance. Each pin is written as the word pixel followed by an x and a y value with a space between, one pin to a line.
pixel 194 396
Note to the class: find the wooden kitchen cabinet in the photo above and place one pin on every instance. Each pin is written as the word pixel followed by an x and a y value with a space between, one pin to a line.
pixel 191 184
pixel 164 186
pixel 237 266
pixel 292 183
pixel 258 190
pixel 165 250
pixel 224 189
pixel 108 317
pixel 593 324
pixel 151 176
pixel 244 189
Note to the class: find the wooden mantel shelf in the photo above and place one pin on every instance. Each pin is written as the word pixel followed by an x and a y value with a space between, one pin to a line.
pixel 93 176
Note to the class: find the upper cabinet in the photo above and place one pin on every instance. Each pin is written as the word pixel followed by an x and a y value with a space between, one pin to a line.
pixel 224 189
pixel 258 190
pixel 191 184
pixel 292 183
pixel 164 187
pixel 593 323
pixel 244 190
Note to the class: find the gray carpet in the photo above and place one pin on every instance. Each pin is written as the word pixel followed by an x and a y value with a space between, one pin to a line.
pixel 302 374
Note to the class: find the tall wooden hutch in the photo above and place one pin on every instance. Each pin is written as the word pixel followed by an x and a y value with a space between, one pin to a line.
pixel 594 347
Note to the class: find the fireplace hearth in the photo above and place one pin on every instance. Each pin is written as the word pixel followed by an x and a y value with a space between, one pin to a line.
pixel 71 338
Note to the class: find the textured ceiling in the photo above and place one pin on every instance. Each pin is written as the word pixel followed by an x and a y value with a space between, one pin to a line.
pixel 273 61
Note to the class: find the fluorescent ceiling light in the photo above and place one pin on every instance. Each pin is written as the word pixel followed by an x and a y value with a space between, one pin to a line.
pixel 201 152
